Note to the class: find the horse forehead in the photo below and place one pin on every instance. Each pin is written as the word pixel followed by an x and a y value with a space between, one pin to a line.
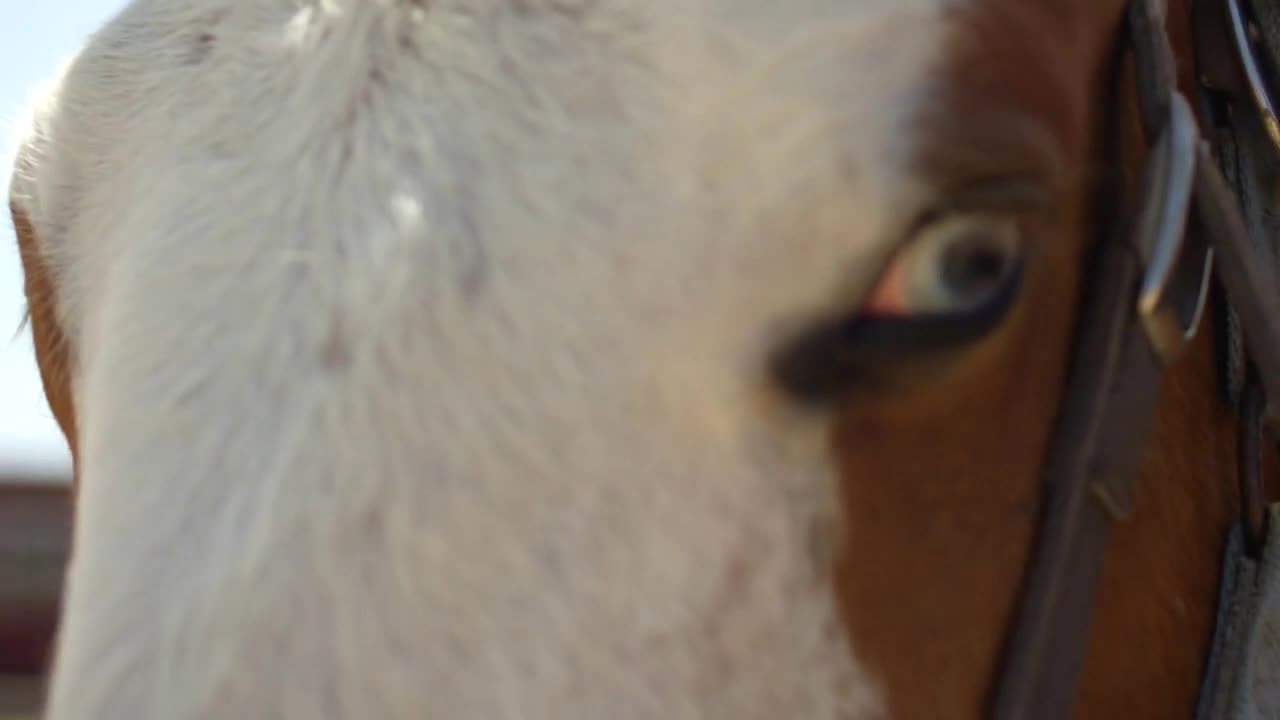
pixel 703 116
pixel 640 69
pixel 706 69
pixel 622 88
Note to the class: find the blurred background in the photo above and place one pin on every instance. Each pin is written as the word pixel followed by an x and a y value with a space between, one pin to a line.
pixel 36 37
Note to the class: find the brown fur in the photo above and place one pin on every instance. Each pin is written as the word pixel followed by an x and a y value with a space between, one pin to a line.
pixel 939 538
pixel 938 544
pixel 52 350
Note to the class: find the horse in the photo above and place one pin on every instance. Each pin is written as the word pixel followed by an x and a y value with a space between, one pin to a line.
pixel 700 359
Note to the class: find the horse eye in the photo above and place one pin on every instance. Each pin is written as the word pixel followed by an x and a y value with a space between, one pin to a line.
pixel 954 266
pixel 951 285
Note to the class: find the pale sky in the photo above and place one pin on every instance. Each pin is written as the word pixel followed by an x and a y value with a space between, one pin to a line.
pixel 35 38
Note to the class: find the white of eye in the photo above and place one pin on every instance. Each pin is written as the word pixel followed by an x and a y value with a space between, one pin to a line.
pixel 957 264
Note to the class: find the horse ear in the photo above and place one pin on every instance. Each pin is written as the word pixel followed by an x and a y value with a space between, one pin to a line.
pixel 53 353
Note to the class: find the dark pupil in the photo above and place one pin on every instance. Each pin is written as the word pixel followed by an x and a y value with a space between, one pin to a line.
pixel 972 268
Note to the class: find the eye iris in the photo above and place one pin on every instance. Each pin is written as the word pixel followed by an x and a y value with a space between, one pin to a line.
pixel 973 267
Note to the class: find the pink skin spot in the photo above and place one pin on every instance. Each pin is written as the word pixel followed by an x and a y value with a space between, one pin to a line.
pixel 889 297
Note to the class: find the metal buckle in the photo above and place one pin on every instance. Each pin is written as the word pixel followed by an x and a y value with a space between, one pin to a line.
pixel 1179 264
pixel 1239 27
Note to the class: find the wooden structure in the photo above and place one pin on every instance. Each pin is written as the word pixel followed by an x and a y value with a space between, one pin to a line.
pixel 35 539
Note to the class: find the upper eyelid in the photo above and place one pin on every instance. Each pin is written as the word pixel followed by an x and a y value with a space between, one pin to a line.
pixel 998 195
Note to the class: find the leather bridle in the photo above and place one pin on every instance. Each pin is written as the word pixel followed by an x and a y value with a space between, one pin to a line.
pixel 1147 289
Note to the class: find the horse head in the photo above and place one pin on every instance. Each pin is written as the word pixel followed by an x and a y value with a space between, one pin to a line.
pixel 585 358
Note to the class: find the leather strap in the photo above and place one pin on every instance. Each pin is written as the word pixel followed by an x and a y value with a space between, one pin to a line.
pixel 1102 426
pixel 1105 419
pixel 1092 462
pixel 1251 284
pixel 1093 459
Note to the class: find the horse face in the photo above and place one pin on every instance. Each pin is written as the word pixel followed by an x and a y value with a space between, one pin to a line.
pixel 486 357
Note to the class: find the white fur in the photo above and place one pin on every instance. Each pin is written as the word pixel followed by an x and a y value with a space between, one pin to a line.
pixel 418 350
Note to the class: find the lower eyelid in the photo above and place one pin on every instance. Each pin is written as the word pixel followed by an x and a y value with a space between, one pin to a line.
pixel 844 352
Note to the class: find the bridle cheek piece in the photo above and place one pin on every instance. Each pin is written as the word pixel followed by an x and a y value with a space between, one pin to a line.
pixel 1147 291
